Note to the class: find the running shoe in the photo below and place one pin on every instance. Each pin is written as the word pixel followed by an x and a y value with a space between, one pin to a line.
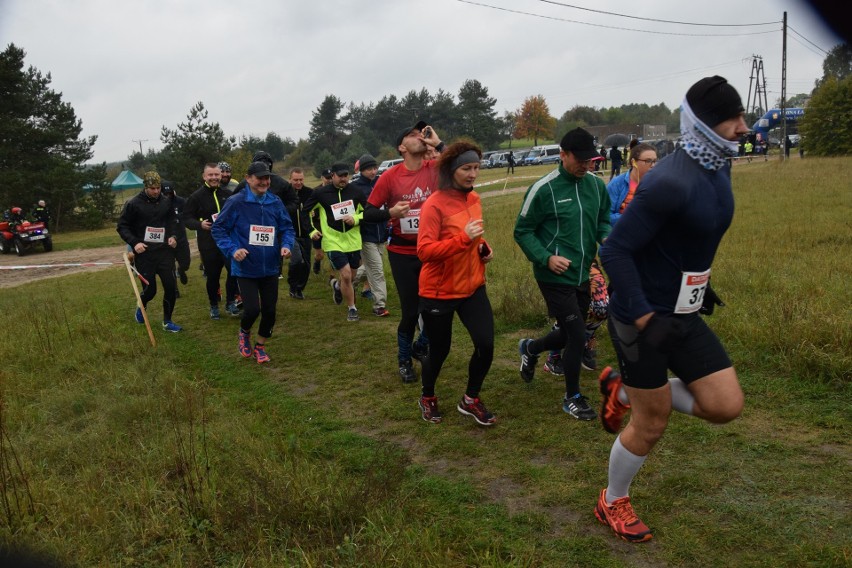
pixel 214 312
pixel 553 364
pixel 232 309
pixel 590 355
pixel 368 294
pixel 622 519
pixel 260 353
pixel 171 326
pixel 419 350
pixel 381 312
pixel 612 409
pixel 528 360
pixel 337 295
pixel 578 407
pixel 406 372
pixel 297 294
pixel 182 276
pixel 352 315
pixel 429 409
pixel 245 344
pixel 477 409
pixel 139 317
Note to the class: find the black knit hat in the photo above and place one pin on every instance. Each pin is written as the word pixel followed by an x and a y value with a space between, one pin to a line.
pixel 366 161
pixel 713 100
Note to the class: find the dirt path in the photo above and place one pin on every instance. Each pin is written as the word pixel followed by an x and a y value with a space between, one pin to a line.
pixel 39 265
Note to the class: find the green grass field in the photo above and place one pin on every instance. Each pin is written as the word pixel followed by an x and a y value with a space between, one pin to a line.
pixel 114 453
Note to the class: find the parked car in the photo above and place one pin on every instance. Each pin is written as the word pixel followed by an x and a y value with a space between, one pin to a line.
pixel 542 155
pixel 387 164
pixel 794 140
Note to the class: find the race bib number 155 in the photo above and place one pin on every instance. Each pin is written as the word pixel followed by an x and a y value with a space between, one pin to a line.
pixel 262 235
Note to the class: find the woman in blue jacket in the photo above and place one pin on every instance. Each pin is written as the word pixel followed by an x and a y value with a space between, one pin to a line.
pixel 643 157
pixel 254 230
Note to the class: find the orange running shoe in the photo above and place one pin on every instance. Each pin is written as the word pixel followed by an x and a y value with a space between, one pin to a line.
pixel 612 409
pixel 621 518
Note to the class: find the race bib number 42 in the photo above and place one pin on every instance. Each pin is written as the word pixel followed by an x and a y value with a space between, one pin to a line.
pixel 691 295
pixel 342 209
pixel 262 235
pixel 155 235
pixel 410 224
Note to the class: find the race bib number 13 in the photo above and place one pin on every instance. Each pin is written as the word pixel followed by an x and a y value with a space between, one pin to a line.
pixel 691 295
pixel 262 235
pixel 410 224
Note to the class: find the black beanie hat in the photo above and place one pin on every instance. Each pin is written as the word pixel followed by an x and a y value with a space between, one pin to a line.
pixel 366 161
pixel 713 100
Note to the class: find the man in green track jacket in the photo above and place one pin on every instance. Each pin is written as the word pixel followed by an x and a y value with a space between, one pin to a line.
pixel 564 216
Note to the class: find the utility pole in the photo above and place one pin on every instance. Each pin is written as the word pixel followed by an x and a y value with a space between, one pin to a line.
pixel 140 145
pixel 784 90
pixel 757 104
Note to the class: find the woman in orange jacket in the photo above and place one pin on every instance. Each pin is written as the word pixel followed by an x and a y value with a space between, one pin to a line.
pixel 452 279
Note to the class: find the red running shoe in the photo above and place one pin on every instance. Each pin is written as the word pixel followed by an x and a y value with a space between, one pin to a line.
pixel 477 409
pixel 260 353
pixel 245 344
pixel 612 409
pixel 621 518
pixel 429 409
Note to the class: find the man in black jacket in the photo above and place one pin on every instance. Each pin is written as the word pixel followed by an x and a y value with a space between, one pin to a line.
pixel 182 255
pixel 147 224
pixel 199 213
pixel 299 272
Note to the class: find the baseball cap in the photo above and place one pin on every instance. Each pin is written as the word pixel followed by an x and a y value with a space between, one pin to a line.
pixel 406 131
pixel 580 143
pixel 259 169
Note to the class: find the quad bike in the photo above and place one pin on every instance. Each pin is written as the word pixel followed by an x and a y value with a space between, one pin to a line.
pixel 23 236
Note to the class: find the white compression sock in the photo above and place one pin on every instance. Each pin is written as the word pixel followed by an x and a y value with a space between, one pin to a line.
pixel 623 467
pixel 682 399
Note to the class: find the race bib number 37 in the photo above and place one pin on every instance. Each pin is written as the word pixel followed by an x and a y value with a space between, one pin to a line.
pixel 262 235
pixel 691 295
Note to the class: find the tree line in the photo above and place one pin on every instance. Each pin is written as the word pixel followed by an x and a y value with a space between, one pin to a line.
pixel 43 156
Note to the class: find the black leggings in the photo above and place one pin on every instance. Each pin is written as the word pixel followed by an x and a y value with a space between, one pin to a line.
pixel 158 263
pixel 569 305
pixel 406 276
pixel 476 315
pixel 260 297
pixel 214 261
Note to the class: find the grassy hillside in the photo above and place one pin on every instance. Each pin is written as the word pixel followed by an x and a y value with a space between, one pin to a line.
pixel 114 453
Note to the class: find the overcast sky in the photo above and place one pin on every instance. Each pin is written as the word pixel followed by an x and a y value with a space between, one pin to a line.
pixel 128 67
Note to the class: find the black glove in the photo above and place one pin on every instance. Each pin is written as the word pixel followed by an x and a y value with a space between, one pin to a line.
pixel 711 300
pixel 662 333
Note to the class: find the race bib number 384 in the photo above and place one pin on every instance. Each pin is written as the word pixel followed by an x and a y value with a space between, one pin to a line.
pixel 262 235
pixel 691 295
pixel 155 235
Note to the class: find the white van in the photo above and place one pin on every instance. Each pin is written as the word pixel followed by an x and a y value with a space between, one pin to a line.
pixel 542 155
pixel 387 164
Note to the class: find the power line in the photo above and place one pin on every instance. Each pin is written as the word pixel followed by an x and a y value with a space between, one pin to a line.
pixel 554 18
pixel 789 27
pixel 653 19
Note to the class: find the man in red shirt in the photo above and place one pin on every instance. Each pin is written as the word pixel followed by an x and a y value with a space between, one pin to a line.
pixel 398 196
